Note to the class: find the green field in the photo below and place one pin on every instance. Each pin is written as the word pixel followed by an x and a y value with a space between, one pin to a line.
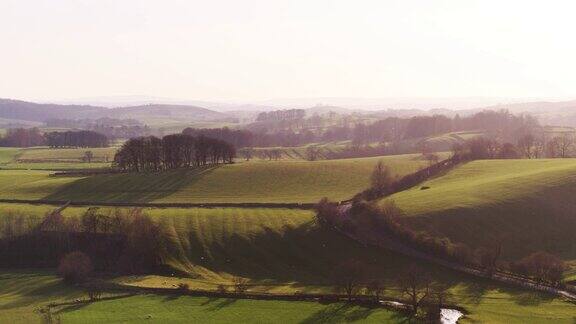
pixel 22 293
pixel 258 181
pixel 278 251
pixel 65 154
pixel 445 142
pixel 44 158
pixel 528 204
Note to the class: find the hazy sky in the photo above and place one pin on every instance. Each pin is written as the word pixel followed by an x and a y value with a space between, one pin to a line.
pixel 261 49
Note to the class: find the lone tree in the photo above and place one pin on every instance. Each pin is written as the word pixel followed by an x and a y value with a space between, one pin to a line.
pixel 381 178
pixel 75 267
pixel 88 156
pixel 240 285
pixel 247 153
pixel 348 277
pixel 415 284
pixel 376 288
pixel 312 153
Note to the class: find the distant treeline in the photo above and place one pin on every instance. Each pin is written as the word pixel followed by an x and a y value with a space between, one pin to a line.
pixel 76 139
pixel 277 115
pixel 28 137
pixel 111 127
pixel 172 152
pixel 497 124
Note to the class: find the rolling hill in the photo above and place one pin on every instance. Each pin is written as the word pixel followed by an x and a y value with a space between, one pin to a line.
pixel 23 111
pixel 526 204
pixel 289 181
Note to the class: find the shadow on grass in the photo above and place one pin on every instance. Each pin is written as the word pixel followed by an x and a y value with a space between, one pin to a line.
pixel 337 313
pixel 130 187
pixel 71 307
pixel 27 289
pixel 531 298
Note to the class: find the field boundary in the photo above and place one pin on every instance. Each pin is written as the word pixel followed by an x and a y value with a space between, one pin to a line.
pixel 306 206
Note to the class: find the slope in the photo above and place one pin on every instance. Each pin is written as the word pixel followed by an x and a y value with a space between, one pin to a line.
pixel 526 204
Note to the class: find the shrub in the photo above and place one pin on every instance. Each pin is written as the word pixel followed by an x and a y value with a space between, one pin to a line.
pixel 94 292
pixel 183 287
pixel 240 285
pixel 75 267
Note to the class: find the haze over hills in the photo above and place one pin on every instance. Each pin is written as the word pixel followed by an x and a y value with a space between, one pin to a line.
pixel 145 108
pixel 27 111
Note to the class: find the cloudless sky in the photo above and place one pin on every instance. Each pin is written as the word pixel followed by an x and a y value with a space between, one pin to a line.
pixel 261 49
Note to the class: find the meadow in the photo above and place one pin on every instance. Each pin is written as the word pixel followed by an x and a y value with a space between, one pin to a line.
pixel 254 181
pixel 44 158
pixel 526 204
pixel 23 293
pixel 279 251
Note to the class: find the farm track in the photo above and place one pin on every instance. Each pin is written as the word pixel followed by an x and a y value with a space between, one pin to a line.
pixel 305 206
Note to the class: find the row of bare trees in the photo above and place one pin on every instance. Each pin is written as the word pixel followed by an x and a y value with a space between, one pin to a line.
pixel 367 218
pixel 528 146
pixel 172 152
pixel 119 240
pixel 352 277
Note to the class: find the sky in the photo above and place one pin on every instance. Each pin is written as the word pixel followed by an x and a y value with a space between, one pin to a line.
pixel 265 49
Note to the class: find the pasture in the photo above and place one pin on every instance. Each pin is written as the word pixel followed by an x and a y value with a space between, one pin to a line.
pixel 23 293
pixel 279 251
pixel 254 181
pixel 526 204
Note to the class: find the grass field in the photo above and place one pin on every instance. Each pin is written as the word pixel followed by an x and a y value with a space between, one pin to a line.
pixel 258 181
pixel 44 158
pixel 445 142
pixel 22 293
pixel 278 251
pixel 529 204
pixel 65 154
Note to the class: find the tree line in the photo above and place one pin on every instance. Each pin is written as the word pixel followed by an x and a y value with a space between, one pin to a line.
pixel 81 138
pixel 390 131
pixel 28 137
pixel 172 152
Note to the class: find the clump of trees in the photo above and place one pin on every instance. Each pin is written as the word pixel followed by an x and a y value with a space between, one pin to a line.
pixel 528 146
pixel 120 240
pixel 172 152
pixel 22 137
pixel 541 266
pixel 76 139
pixel 27 137
pixel 277 115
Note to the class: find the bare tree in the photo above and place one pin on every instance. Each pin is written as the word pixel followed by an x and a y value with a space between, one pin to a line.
pixel 526 145
pixel 381 178
pixel 88 156
pixel 415 285
pixel 312 153
pixel 247 153
pixel 348 277
pixel 75 267
pixel 376 288
pixel 240 285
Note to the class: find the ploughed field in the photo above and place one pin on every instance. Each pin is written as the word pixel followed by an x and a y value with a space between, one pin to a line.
pixel 244 182
pixel 528 205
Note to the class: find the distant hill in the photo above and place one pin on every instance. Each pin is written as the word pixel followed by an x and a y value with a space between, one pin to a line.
pixel 175 112
pixel 29 111
pixel 35 112
pixel 560 113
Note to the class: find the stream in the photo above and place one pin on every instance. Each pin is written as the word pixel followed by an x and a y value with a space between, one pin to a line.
pixel 450 316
